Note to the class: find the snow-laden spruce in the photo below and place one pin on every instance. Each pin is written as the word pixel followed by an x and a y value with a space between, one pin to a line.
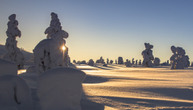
pixel 128 63
pixel 60 89
pixel 52 52
pixel 147 55
pixel 120 60
pixel 156 61
pixel 13 52
pixel 91 62
pixel 179 59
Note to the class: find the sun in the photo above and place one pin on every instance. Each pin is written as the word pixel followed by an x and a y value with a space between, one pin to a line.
pixel 63 48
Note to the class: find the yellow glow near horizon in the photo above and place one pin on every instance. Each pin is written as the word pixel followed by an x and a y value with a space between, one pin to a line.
pixel 63 48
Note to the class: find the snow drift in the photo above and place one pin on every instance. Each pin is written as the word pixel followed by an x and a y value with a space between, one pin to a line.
pixel 14 93
pixel 60 89
pixel 7 68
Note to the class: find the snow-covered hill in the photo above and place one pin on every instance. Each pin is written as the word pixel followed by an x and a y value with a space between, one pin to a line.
pixel 28 56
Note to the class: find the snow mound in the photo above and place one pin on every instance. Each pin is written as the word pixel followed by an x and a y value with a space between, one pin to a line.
pixel 60 89
pixel 7 68
pixel 47 55
pixel 14 93
pixel 31 69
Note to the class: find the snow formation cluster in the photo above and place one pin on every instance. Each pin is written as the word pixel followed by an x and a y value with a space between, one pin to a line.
pixel 52 52
pixel 101 60
pixel 58 87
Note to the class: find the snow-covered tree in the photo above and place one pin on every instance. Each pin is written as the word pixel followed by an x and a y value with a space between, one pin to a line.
pixel 101 60
pixel 128 63
pixel 148 55
pixel 111 61
pixel 120 60
pixel 179 60
pixel 91 62
pixel 156 61
pixel 13 52
pixel 52 52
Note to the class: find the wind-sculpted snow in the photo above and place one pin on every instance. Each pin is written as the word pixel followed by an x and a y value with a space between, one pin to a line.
pixel 139 88
pixel 118 87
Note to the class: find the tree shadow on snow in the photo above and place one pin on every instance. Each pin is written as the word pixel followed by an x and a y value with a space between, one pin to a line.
pixel 179 93
pixel 87 104
pixel 98 79
pixel 94 79
pixel 104 68
pixel 127 102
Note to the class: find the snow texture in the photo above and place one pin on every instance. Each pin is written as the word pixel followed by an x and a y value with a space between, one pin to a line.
pixel 7 68
pixel 60 89
pixel 179 60
pixel 14 93
pixel 147 55
pixel 13 52
pixel 52 52
pixel 137 88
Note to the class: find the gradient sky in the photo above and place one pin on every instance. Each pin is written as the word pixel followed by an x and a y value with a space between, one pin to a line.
pixel 108 28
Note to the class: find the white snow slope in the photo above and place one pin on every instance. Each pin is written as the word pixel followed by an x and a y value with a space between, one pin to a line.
pixel 122 88
pixel 117 87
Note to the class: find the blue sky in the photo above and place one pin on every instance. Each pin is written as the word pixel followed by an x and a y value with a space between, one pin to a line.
pixel 108 28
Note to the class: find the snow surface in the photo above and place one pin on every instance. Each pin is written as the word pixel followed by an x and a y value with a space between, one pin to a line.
pixel 60 89
pixel 122 88
pixel 14 93
pixel 117 87
pixel 7 68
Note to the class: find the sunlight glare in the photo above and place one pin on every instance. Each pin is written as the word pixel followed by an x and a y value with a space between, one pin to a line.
pixel 63 47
